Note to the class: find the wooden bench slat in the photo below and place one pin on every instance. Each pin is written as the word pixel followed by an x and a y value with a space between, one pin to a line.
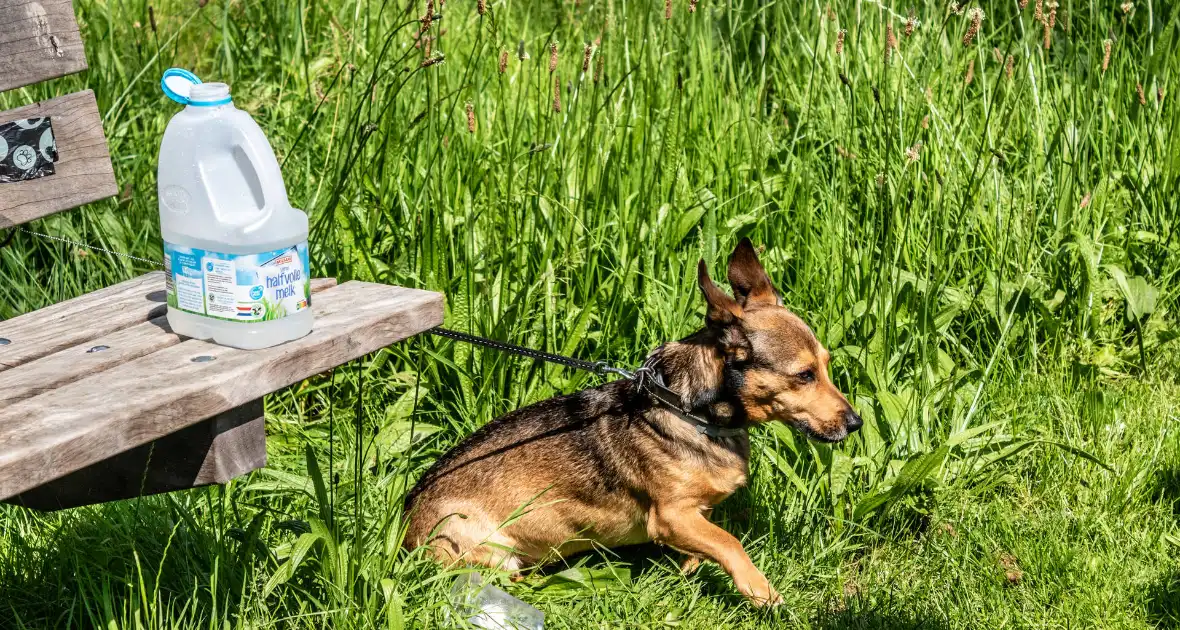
pixel 58 432
pixel 212 451
pixel 39 40
pixel 74 322
pixel 83 361
pixel 83 170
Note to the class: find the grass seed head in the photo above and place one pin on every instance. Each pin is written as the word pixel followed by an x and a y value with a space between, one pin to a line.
pixel 998 55
pixel 1023 3
pixel 1039 14
pixel 845 153
pixel 1085 201
pixel 976 17
pixel 586 55
pixel 557 93
pixel 840 41
pixel 483 7
pixel 667 9
pixel 433 61
pixel 503 61
pixel 914 153
pixel 553 57
pixel 470 117
pixel 926 121
pixel 1048 35
pixel 970 73
pixel 428 18
pixel 911 23
pixel 890 42
pixel 1009 66
pixel 599 64
pixel 1159 94
pixel 1139 91
pixel 1127 7
pixel 692 6
pixel 1052 13
pixel 521 53
pixel 426 45
pixel 1106 45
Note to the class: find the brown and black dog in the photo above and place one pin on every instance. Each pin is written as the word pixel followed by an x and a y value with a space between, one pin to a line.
pixel 610 466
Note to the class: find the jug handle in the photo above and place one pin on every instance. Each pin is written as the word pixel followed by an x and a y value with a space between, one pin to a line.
pixel 258 161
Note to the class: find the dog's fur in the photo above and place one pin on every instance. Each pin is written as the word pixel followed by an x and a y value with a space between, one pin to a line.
pixel 608 467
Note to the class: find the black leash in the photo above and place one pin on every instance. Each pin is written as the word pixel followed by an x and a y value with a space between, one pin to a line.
pixel 645 378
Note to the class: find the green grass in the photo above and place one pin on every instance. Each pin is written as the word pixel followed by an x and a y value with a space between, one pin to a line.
pixel 1001 303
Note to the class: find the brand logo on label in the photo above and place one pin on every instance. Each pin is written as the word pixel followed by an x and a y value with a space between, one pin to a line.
pixel 256 293
pixel 209 267
pixel 282 260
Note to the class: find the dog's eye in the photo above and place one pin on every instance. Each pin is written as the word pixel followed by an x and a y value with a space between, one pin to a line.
pixel 806 376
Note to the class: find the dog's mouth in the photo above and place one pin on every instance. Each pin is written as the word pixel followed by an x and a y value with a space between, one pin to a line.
pixel 819 436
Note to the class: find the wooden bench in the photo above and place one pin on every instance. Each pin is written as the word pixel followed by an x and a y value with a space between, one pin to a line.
pixel 99 399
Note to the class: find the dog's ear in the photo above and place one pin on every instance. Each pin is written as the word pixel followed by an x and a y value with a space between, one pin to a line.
pixel 722 309
pixel 751 285
pixel 722 316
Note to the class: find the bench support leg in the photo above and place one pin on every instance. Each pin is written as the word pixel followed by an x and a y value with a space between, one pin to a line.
pixel 209 452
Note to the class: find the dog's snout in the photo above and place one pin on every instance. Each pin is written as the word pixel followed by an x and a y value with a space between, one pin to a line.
pixel 852 421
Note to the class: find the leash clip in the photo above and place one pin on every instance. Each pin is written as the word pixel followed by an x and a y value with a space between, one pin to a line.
pixel 602 368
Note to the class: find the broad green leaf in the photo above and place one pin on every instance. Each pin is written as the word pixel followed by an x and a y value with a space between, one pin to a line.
pixel 915 471
pixel 582 578
pixel 687 222
pixel 840 470
pixel 1140 295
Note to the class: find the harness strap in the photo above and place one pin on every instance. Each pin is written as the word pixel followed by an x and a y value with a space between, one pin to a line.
pixel 646 379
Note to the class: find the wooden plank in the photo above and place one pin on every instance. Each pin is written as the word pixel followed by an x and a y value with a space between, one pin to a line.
pixel 58 432
pixel 38 41
pixel 212 451
pixel 83 169
pixel 100 352
pixel 74 322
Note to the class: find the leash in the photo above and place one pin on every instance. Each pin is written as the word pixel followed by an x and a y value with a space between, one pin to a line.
pixel 646 379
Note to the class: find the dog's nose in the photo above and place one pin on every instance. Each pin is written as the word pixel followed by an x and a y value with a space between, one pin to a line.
pixel 852 421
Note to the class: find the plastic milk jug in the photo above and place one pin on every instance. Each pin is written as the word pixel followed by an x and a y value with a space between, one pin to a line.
pixel 235 251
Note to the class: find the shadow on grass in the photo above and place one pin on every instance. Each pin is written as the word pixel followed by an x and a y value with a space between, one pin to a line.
pixel 99 565
pixel 859 613
pixel 1166 488
pixel 1162 598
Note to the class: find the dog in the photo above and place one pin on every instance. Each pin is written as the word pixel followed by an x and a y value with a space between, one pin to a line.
pixel 616 465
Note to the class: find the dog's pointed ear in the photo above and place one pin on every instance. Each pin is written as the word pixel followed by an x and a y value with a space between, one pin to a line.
pixel 722 309
pixel 751 285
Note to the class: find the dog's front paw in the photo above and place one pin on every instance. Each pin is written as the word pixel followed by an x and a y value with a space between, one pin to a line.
pixel 761 593
pixel 690 564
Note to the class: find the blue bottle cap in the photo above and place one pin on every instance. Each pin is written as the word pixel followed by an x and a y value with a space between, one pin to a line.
pixel 178 84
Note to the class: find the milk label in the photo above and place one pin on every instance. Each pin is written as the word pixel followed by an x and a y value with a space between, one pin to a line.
pixel 238 287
